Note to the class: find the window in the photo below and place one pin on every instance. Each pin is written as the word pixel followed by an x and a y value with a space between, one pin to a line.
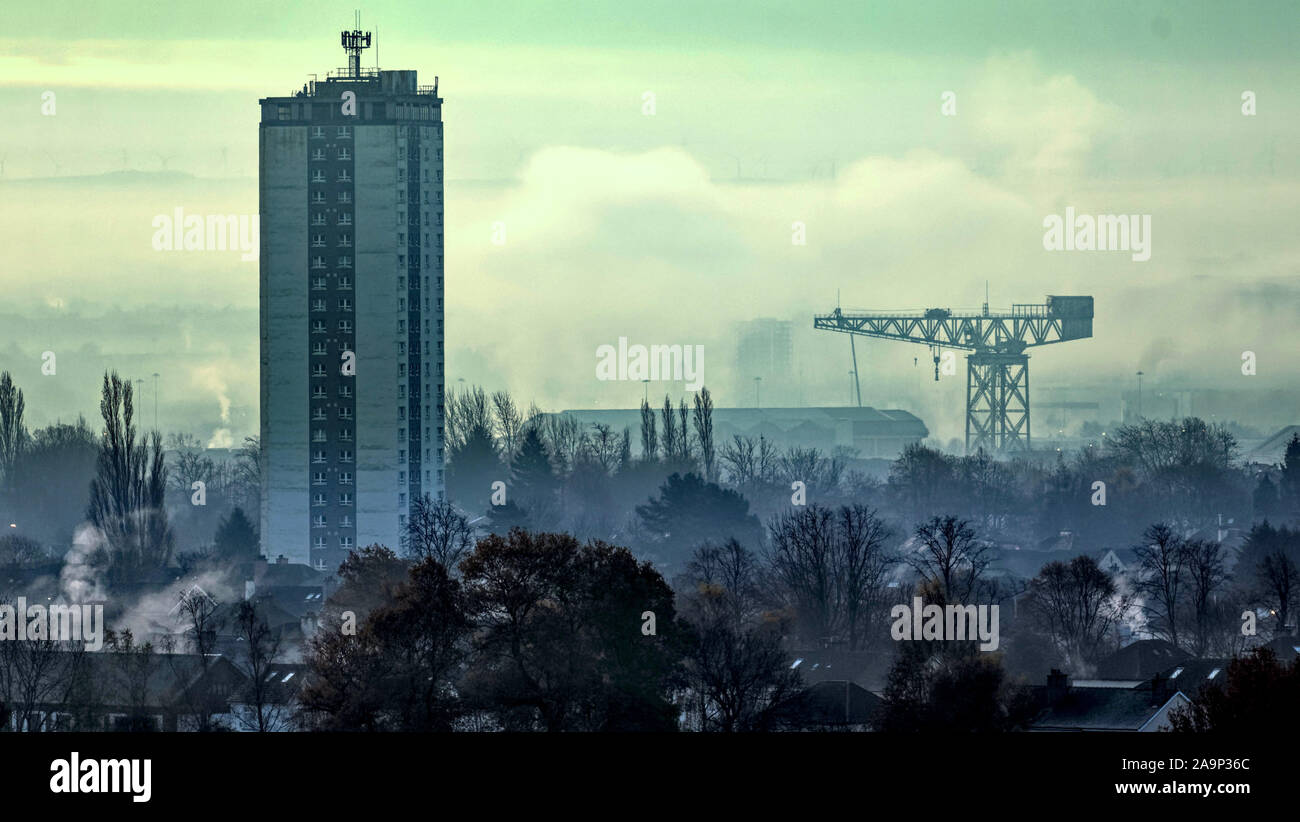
pixel 318 521
pixel 318 241
pixel 317 262
pixel 345 435
pixel 319 544
pixel 345 262
pixel 318 133
pixel 318 219
pixel 318 478
pixel 344 542
pixel 318 176
pixel 345 218
pixel 317 305
pixel 318 435
pixel 318 500
pixel 318 414
pixel 345 498
pixel 345 326
pixel 345 521
pixel 318 370
pixel 345 133
pixel 345 456
pixel 345 478
pixel 345 305
pixel 318 327
pixel 345 241
pixel 318 392
pixel 319 283
pixel 345 283
pixel 345 391
pixel 344 154
pixel 318 349
pixel 344 177
pixel 345 196
pixel 282 112
pixel 318 198
pixel 318 457
pixel 345 413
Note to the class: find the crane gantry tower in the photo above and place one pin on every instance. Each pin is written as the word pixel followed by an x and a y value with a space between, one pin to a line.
pixel 997 369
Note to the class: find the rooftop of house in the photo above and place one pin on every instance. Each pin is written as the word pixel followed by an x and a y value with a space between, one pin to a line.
pixel 1140 661
pixel 1105 709
pixel 867 669
pixel 831 702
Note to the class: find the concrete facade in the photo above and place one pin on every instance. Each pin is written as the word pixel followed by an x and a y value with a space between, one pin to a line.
pixel 352 290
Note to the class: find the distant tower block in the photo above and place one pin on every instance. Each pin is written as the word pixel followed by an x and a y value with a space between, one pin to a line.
pixel 351 309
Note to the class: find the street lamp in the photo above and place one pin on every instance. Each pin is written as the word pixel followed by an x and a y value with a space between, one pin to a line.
pixel 1139 376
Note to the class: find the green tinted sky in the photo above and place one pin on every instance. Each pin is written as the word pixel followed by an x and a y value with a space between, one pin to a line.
pixel 667 229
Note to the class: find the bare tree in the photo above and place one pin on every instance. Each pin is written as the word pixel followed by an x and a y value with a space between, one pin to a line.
pixel 683 435
pixel 202 618
pixel 739 674
pixel 670 430
pixel 1162 579
pixel 261 647
pixel 563 437
pixel 861 560
pixel 466 411
pixel 1279 580
pixel 730 567
pixel 189 463
pixel 649 439
pixel 738 460
pixel 950 557
pixel 127 494
pixel 435 529
pixel 603 447
pixel 247 480
pixel 1206 575
pixel 12 433
pixel 704 432
pixel 811 466
pixel 509 423
pixel 802 557
pixel 830 565
pixel 1078 605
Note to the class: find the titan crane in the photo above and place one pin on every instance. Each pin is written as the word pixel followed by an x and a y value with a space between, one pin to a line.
pixel 997 369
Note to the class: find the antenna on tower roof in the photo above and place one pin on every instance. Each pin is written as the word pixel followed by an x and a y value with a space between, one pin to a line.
pixel 354 42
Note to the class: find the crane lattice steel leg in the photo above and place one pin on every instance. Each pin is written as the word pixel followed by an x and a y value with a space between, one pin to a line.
pixel 997 402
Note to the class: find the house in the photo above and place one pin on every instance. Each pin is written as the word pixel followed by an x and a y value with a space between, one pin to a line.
pixel 1193 675
pixel 120 691
pixel 832 704
pixel 1140 660
pixel 138 691
pixel 866 669
pixel 1076 707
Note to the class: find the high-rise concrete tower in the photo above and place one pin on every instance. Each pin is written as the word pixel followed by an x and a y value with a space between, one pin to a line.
pixel 351 309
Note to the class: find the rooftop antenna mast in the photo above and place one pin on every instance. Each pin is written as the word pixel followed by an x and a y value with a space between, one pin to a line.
pixel 354 42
